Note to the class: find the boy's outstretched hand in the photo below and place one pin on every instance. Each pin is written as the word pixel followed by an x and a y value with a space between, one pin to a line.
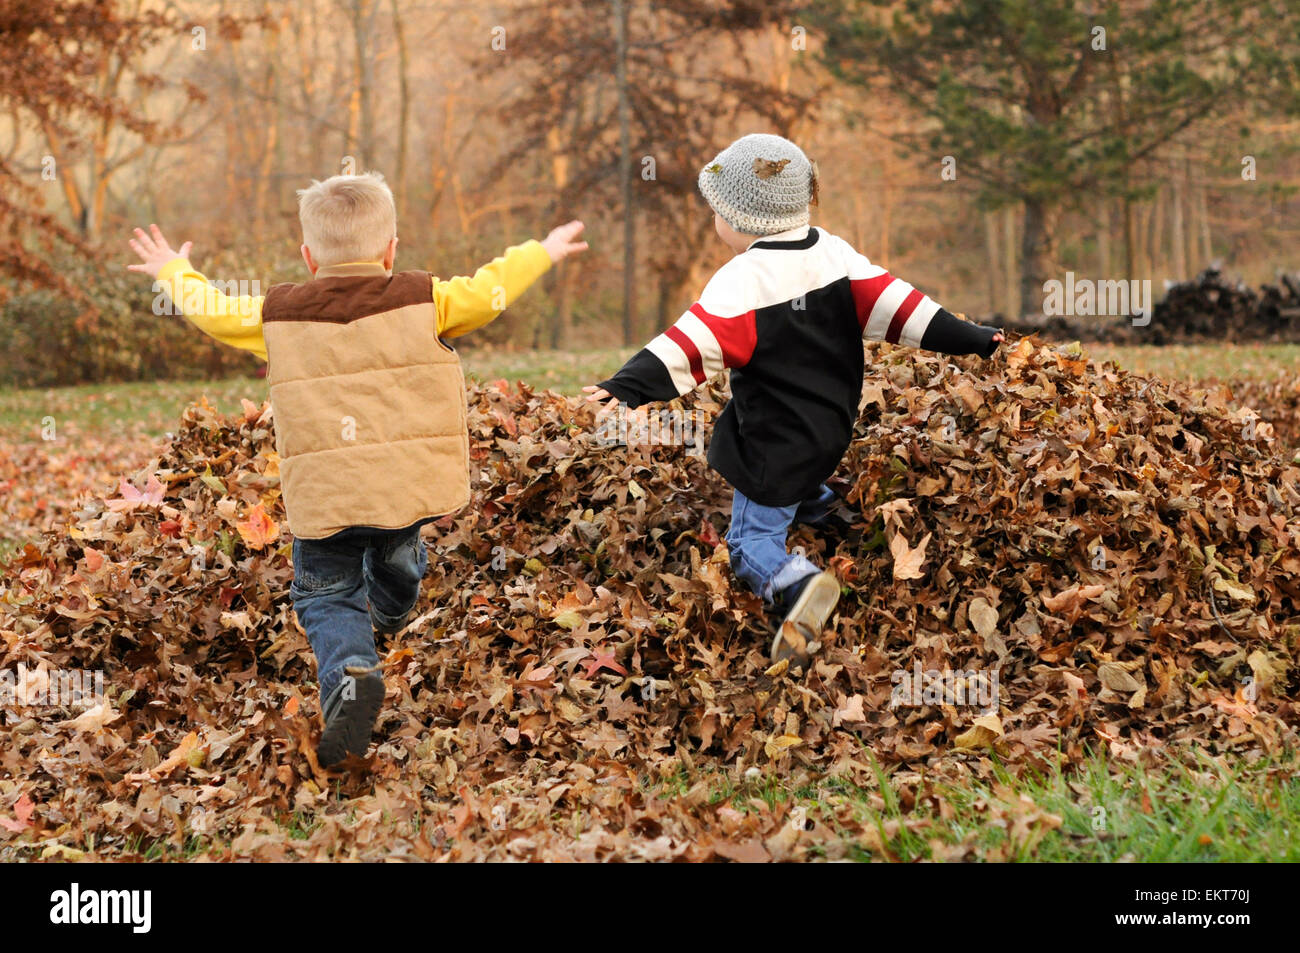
pixel 154 251
pixel 638 418
pixel 596 393
pixel 560 243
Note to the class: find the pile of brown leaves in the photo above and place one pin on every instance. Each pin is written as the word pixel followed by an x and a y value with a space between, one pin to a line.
pixel 1120 550
pixel 1278 402
pixel 40 481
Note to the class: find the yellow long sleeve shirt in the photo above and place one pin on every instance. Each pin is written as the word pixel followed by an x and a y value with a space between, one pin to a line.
pixel 463 303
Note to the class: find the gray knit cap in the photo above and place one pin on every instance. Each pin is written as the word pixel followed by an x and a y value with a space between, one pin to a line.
pixel 760 184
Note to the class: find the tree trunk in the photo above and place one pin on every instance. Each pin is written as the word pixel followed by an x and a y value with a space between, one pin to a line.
pixel 1010 286
pixel 1103 240
pixel 1157 242
pixel 1177 227
pixel 1207 249
pixel 1141 246
pixel 625 171
pixel 1037 253
pixel 562 318
pixel 403 111
pixel 993 266
pixel 1130 240
pixel 361 27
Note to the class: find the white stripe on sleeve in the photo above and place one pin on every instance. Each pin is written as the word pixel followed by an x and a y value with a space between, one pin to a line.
pixel 886 307
pixel 675 359
pixel 918 321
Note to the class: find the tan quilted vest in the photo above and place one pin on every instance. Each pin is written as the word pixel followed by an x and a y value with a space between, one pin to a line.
pixel 369 404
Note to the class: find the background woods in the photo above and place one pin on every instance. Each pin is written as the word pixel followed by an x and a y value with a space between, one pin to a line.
pixel 979 147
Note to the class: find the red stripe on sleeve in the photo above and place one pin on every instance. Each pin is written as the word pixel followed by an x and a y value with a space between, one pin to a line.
pixel 736 336
pixel 866 292
pixel 901 315
pixel 690 350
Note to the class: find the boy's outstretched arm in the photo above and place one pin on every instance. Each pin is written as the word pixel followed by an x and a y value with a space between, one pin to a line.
pixel 889 309
pixel 717 331
pixel 231 319
pixel 466 303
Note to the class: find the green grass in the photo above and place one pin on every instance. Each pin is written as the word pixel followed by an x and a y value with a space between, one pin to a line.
pixel 563 371
pixel 152 408
pixel 1202 362
pixel 1200 810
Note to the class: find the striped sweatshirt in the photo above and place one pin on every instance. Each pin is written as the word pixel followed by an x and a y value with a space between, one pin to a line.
pixel 788 316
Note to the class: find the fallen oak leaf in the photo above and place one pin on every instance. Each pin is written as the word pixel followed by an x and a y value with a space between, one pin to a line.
pixel 908 561
pixel 778 743
pixel 749 851
pixel 1072 598
pixel 187 752
pixel 62 850
pixel 983 732
pixel 94 719
pixel 849 712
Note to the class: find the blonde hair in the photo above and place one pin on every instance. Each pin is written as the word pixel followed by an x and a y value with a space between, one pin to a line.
pixel 347 218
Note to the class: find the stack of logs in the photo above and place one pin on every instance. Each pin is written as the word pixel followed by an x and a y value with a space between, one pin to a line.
pixel 1209 308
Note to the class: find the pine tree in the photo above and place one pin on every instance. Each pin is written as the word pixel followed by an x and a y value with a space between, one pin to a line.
pixel 1052 103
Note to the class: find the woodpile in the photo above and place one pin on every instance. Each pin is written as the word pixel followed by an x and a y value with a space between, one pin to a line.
pixel 1209 308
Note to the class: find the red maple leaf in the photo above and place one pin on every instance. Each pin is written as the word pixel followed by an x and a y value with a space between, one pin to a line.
pixel 259 529
pixel 23 812
pixel 601 660
pixel 131 497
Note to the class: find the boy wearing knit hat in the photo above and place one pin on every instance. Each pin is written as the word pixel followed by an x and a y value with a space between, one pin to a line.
pixel 788 315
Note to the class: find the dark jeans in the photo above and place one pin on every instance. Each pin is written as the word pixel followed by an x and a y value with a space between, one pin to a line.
pixel 346 584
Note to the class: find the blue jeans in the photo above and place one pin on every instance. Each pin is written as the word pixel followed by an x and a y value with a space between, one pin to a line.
pixel 342 581
pixel 756 541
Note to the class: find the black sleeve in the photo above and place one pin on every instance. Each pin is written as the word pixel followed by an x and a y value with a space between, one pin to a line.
pixel 641 380
pixel 948 334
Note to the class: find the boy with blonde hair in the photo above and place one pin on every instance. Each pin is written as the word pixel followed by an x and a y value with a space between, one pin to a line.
pixel 370 416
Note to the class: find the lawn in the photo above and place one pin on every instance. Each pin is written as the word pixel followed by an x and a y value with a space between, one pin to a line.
pixel 151 408
pixel 1171 810
pixel 1202 362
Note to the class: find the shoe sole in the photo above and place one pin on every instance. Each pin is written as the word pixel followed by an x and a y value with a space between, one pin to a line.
pixel 348 733
pixel 807 618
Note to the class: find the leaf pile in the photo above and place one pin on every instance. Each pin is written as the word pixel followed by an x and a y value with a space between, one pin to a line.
pixel 583 678
pixel 1278 402
pixel 40 481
